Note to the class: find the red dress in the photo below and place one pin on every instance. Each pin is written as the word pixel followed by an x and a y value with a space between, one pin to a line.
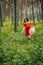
pixel 27 28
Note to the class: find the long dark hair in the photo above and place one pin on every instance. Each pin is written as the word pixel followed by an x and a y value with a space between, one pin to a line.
pixel 26 20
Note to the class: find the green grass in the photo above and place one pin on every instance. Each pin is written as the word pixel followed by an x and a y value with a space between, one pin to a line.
pixel 15 49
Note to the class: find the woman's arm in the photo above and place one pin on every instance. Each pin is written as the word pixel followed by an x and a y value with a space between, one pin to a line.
pixel 23 30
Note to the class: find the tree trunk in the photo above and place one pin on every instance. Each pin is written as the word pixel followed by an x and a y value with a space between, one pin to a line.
pixel 42 8
pixel 15 28
pixel 33 12
pixel 1 23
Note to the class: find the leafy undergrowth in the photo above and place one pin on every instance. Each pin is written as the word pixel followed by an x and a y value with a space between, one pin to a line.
pixel 15 49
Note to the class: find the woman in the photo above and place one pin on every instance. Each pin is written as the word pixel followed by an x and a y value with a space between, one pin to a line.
pixel 27 25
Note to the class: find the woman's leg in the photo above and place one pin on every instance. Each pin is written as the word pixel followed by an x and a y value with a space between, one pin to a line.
pixel 28 37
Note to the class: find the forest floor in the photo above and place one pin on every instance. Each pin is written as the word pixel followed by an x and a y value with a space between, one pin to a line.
pixel 17 50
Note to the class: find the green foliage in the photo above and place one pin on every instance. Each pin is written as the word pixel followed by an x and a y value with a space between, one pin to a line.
pixel 15 49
